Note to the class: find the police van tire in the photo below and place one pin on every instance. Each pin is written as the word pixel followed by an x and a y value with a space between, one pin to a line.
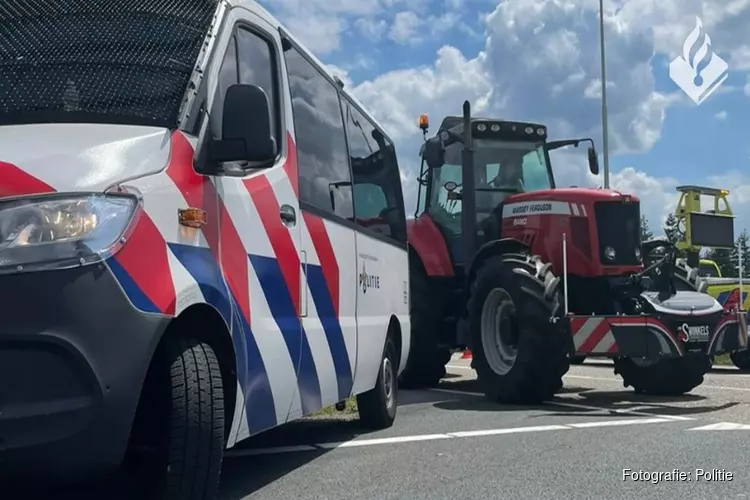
pixel 425 365
pixel 522 294
pixel 664 377
pixel 377 407
pixel 196 436
pixel 741 359
pixel 181 420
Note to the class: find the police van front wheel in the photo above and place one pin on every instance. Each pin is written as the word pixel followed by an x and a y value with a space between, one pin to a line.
pixel 377 407
pixel 177 441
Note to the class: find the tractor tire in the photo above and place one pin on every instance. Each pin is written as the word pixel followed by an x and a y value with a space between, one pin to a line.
pixel 425 365
pixel 183 411
pixel 741 359
pixel 664 377
pixel 577 360
pixel 377 407
pixel 519 355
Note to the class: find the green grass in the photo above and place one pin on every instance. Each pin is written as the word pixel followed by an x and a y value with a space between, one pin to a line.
pixel 723 359
pixel 349 409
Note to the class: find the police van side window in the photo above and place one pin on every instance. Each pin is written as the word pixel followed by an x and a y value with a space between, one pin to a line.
pixel 324 177
pixel 378 199
pixel 257 66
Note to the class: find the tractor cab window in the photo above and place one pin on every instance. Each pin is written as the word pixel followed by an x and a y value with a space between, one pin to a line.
pixel 501 169
pixel 446 211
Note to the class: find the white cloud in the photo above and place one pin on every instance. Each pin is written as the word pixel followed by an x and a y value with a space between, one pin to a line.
pixel 721 115
pixel 404 29
pixel 370 28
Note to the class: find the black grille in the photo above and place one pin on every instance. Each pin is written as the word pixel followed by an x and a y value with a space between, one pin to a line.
pixel 618 226
pixel 111 61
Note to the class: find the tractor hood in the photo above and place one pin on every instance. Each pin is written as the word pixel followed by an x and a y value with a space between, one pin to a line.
pixel 78 157
pixel 573 195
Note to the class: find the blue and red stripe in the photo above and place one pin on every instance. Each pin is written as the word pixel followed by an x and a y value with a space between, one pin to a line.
pixel 323 281
pixel 281 305
pixel 229 257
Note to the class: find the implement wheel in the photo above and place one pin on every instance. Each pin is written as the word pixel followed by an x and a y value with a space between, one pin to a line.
pixel 664 377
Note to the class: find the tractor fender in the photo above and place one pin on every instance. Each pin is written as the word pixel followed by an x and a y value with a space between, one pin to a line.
pixel 429 246
pixel 490 249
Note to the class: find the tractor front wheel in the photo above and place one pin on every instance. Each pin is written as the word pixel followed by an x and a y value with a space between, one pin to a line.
pixel 664 377
pixel 519 354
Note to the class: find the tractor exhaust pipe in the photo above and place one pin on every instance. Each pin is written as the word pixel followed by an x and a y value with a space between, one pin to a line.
pixel 468 193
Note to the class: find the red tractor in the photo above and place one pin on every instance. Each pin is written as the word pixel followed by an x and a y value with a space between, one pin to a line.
pixel 528 275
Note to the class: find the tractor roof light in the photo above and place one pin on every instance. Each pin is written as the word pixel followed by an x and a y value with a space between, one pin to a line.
pixel 424 122
pixel 517 130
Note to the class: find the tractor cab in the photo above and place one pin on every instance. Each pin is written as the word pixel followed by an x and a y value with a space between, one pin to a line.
pixel 472 167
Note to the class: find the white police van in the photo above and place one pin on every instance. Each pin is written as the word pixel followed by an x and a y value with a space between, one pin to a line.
pixel 202 236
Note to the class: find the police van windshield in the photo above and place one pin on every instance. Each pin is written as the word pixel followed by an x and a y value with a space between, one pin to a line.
pixel 100 62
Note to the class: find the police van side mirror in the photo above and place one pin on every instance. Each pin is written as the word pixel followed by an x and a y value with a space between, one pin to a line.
pixel 246 131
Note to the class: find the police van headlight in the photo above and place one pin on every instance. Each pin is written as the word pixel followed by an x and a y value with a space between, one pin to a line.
pixel 62 231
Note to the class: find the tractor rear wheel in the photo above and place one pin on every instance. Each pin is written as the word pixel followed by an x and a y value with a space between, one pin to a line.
pixel 425 365
pixel 664 377
pixel 519 355
pixel 741 359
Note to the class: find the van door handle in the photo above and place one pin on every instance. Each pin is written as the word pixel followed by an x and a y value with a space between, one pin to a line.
pixel 288 215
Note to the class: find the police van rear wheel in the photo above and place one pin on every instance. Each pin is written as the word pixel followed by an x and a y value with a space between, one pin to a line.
pixel 377 407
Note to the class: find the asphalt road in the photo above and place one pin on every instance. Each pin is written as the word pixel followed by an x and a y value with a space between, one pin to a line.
pixel 450 443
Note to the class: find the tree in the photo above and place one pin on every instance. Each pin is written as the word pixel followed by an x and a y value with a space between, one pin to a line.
pixel 673 233
pixel 723 259
pixel 670 229
pixel 646 233
pixel 741 245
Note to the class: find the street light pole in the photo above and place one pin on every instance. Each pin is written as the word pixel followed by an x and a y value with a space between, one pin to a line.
pixel 605 127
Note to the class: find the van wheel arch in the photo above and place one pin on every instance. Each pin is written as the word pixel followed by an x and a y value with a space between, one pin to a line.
pixel 203 323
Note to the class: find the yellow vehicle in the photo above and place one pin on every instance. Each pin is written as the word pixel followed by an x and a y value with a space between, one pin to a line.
pixel 708 277
pixel 727 292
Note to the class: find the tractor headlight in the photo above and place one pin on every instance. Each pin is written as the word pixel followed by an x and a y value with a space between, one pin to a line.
pixel 62 231
pixel 638 253
pixel 609 253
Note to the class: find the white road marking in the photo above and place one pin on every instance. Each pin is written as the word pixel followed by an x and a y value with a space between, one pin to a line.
pixel 722 426
pixel 634 421
pixel 511 430
pixel 434 437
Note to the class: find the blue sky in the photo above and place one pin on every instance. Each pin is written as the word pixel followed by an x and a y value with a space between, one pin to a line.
pixel 537 60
